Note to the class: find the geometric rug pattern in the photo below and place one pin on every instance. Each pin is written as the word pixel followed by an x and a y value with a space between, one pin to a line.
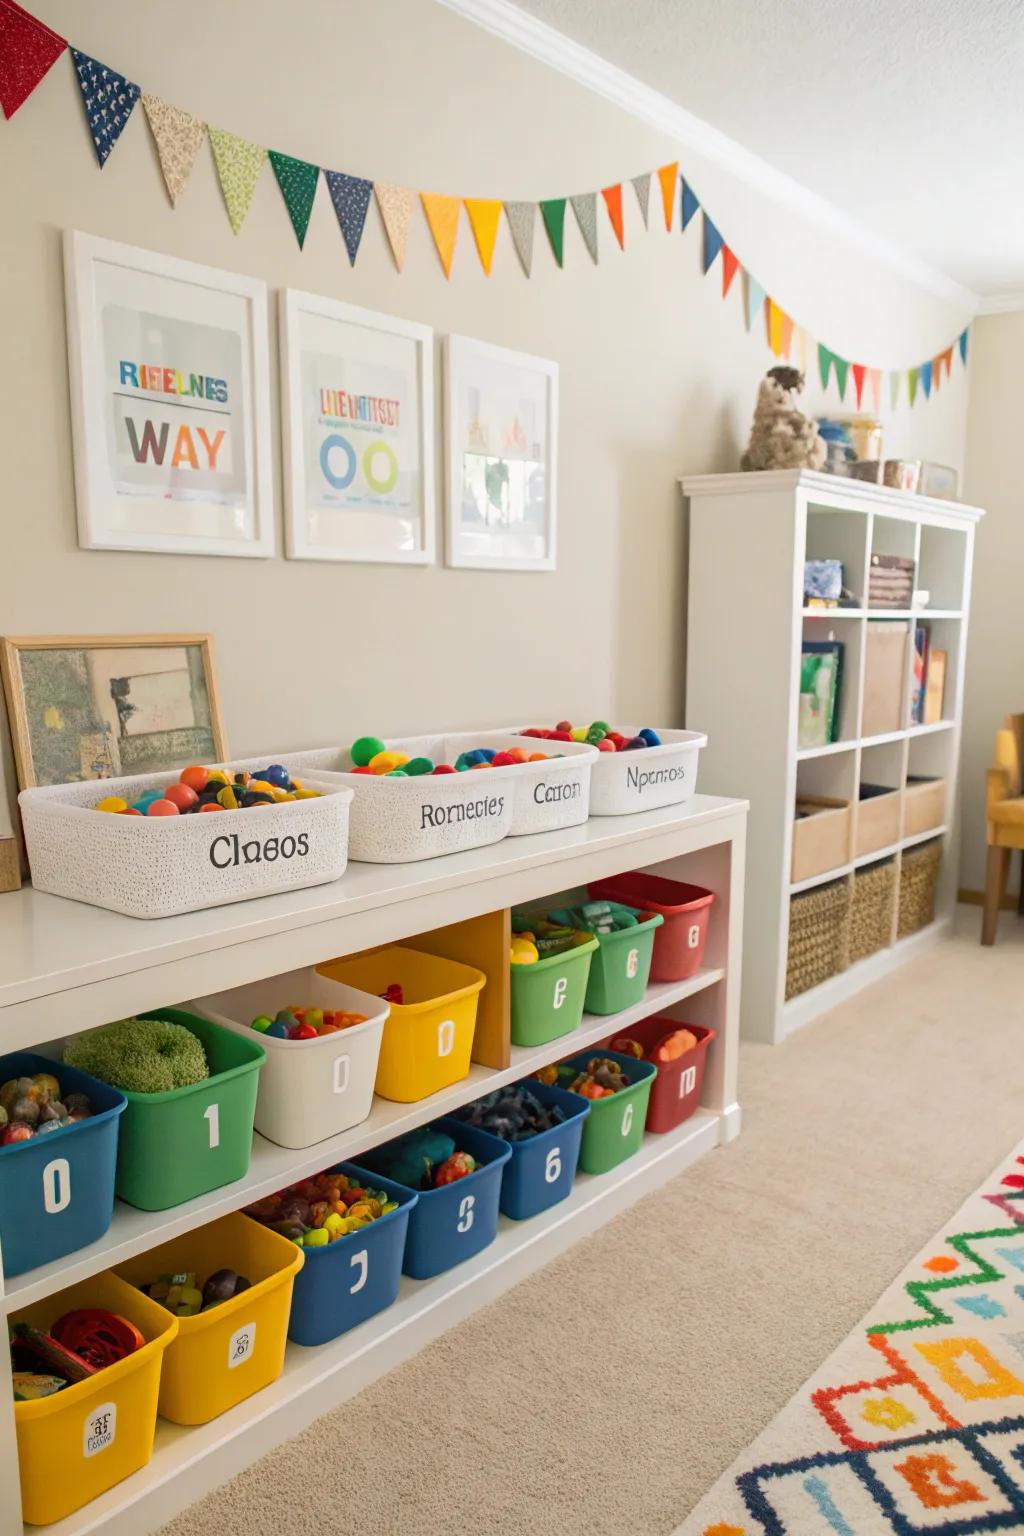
pixel 915 1425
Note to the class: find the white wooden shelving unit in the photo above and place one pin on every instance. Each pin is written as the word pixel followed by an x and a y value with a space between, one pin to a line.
pixel 749 535
pixel 65 967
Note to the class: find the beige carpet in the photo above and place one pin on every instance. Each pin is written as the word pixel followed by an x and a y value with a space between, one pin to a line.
pixel 607 1393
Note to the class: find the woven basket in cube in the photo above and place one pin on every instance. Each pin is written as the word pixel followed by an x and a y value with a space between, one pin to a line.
pixel 874 891
pixel 919 877
pixel 819 936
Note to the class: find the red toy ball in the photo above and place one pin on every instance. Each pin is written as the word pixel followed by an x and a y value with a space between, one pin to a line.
pixel 181 795
pixel 162 808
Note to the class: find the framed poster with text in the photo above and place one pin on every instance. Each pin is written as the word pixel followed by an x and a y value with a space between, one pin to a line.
pixel 170 407
pixel 358 417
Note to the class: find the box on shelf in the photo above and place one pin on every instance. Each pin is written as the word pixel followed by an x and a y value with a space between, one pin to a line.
pixel 155 866
pixel 819 936
pixel 614 1129
pixel 541 1170
pixel 686 910
pixel 871 909
pixel 621 964
pixel 547 995
pixel 885 667
pixel 924 804
pixel 878 818
pixel 919 878
pixel 428 1037
pixel 890 581
pixel 676 1091
pixel 821 836
pixel 309 1089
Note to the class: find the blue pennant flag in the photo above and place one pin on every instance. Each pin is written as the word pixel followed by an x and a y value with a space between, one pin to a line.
pixel 713 243
pixel 351 198
pixel 962 339
pixel 688 203
pixel 108 98
pixel 925 375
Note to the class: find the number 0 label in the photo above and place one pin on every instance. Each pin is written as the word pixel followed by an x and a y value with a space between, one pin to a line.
pixel 56 1186
pixel 446 1037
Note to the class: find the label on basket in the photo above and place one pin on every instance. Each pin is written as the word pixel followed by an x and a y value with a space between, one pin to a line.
pixel 642 778
pixel 693 936
pixel 548 794
pixel 241 1345
pixel 632 963
pixel 100 1429
pixel 461 811
pixel 687 1081
pixel 561 988
pixel 228 851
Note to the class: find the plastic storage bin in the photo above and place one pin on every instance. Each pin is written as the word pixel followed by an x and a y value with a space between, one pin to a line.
pixel 541 1170
pixel 226 1354
pixel 675 1092
pixel 622 783
pixel 357 1276
pixel 57 1190
pixel 176 1145
pixel 309 1089
pixel 686 909
pixel 547 795
pixel 614 1128
pixel 621 964
pixel 152 866
pixel 547 997
pixel 75 1445
pixel 448 1226
pixel 427 1039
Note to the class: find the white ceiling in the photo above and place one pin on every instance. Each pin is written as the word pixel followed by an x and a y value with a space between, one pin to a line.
pixel 906 114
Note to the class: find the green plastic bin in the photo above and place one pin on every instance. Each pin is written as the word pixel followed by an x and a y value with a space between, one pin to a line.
pixel 174 1146
pixel 614 1128
pixel 547 997
pixel 620 968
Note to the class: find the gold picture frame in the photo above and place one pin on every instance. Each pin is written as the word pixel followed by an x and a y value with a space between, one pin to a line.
pixel 96 706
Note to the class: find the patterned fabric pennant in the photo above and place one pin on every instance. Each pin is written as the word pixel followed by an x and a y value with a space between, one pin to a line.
pixel 755 297
pixel 109 100
pixel 443 217
pixel 912 384
pixel 521 219
pixel 961 342
pixel 668 175
pixel 860 373
pixel 875 387
pixel 613 202
pixel 178 136
pixel 642 187
pixel 894 390
pixel 297 180
pixel 239 164
pixel 484 218
pixel 730 266
pixel 395 204
pixel 926 379
pixel 688 205
pixel 28 51
pixel 713 243
pixel 351 198
pixel 553 214
pixel 584 206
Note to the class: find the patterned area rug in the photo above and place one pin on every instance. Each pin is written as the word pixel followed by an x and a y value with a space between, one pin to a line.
pixel 915 1425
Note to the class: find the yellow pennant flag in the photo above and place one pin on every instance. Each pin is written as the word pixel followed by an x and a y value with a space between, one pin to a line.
pixel 443 217
pixel 484 218
pixel 780 330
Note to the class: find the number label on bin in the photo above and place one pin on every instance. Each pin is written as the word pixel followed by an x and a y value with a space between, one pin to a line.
pixel 693 936
pixel 360 1263
pixel 212 1117
pixel 632 963
pixel 561 988
pixel 100 1430
pixel 446 1037
pixel 341 1072
pixel 241 1345
pixel 687 1081
pixel 465 1220
pixel 56 1186
pixel 553 1165
pixel 627 1119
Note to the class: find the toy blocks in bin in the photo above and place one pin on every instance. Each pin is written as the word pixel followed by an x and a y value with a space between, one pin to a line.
pixel 614 1129
pixel 541 1170
pixel 621 964
pixel 548 994
pixel 308 1089
pixel 686 909
pixel 226 1352
pixel 676 1091
pixel 77 1443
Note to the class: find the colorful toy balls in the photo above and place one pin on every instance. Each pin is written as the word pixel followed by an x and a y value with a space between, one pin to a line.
pixel 599 735
pixel 370 756
pixel 212 789
pixel 305 1023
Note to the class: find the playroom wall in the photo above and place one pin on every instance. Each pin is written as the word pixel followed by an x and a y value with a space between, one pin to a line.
pixel 658 374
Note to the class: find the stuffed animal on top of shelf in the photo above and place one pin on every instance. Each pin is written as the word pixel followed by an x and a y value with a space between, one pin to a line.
pixel 781 436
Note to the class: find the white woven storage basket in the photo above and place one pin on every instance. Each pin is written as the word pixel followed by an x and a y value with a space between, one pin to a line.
pixel 622 783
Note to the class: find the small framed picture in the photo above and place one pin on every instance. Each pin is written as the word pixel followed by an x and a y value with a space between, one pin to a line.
pixel 939 480
pixel 170 402
pixel 501 441
pixel 99 706
pixel 358 412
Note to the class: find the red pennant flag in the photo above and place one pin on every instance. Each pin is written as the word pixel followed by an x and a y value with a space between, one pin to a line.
pixel 730 266
pixel 613 202
pixel 860 373
pixel 28 51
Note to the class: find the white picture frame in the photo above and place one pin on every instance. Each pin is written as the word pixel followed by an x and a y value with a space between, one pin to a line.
pixel 144 330
pixel 357 391
pixel 494 399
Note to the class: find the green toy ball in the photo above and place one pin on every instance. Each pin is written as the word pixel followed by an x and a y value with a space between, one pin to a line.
pixel 417 766
pixel 365 748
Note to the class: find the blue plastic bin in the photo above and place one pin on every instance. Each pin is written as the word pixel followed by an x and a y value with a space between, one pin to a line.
pixel 357 1276
pixel 448 1226
pixel 542 1168
pixel 57 1190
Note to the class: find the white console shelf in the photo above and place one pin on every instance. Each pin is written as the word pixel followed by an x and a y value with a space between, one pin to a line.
pixel 65 967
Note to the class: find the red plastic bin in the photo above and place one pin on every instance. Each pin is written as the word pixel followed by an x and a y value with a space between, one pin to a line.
pixel 679 942
pixel 675 1092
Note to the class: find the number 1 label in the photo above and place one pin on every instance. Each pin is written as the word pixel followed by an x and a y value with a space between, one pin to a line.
pixel 212 1117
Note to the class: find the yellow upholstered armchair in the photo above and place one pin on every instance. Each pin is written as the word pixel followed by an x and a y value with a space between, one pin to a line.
pixel 1004 811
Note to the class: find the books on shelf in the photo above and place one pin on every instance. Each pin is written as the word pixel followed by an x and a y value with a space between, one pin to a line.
pixel 821 666
pixel 935 687
pixel 921 640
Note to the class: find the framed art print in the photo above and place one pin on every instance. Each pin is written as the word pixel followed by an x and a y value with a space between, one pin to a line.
pixel 170 405
pixel 358 416
pixel 501 440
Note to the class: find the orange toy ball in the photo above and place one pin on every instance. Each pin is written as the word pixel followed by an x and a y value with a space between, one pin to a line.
pixel 129 810
pixel 181 795
pixel 196 777
pixel 213 806
pixel 162 808
pixel 537 757
pixel 604 745
pixel 518 754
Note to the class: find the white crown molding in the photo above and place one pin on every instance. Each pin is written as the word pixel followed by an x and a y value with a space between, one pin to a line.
pixel 1000 303
pixel 559 52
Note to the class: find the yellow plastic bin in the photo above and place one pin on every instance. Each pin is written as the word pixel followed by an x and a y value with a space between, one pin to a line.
pixel 75 1445
pixel 428 1038
pixel 233 1350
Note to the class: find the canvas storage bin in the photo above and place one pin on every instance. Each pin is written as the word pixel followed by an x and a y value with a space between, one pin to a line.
pixel 878 819
pixel 885 669
pixel 924 805
pixel 821 836
pixel 874 892
pixel 919 878
pixel 154 866
pixel 819 936
pixel 622 783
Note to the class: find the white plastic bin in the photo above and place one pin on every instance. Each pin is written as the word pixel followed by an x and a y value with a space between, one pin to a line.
pixel 547 795
pixel 309 1089
pixel 622 783
pixel 155 866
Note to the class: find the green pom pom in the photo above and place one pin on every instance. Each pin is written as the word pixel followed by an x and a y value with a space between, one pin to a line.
pixel 418 765
pixel 140 1055
pixel 365 748
pixel 396 773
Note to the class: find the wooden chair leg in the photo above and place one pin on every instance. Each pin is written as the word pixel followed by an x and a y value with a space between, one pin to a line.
pixel 995 884
pixel 1020 894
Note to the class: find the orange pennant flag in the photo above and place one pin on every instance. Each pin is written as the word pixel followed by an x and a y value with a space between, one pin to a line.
pixel 613 202
pixel 443 217
pixel 484 218
pixel 730 266
pixel 947 358
pixel 668 175
pixel 875 386
pixel 780 329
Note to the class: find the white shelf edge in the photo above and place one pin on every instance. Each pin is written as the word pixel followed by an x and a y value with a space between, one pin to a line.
pixel 882 613
pixel 820 879
pixel 834 613
pixel 272 1167
pixel 922 837
pixel 884 739
pixel 808 1006
pixel 830 749
pixel 928 730
pixel 879 853
pixel 844 493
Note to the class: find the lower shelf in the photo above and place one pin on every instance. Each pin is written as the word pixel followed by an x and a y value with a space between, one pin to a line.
pixel 188 1463
pixel 810 1005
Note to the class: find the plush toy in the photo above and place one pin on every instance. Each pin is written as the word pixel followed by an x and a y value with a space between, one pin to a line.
pixel 781 436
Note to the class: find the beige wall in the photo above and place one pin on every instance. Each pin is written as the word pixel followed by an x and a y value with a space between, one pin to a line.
pixel 658 375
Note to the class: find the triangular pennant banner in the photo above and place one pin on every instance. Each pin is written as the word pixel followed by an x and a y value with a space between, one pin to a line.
pixel 800 343
pixel 946 358
pixel 755 297
pixel 584 206
pixel 780 329
pixel 28 51
pixel 351 198
pixel 894 390
pixel 484 218
pixel 912 384
pixel 395 204
pixel 936 366
pixel 875 386
pixel 668 175
pixel 178 136
pixel 521 219
pixel 553 214
pixel 730 266
pixel 688 204
pixel 841 367
pixel 443 217
pixel 824 364
pixel 642 187
pixel 613 202
pixel 860 373
pixel 297 180
pixel 961 342
pixel 109 101
pixel 239 164
pixel 713 243
pixel 926 379
pixel 786 334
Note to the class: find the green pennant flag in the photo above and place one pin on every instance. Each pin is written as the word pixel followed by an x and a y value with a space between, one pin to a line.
pixel 912 375
pixel 842 368
pixel 824 364
pixel 553 214
pixel 297 180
